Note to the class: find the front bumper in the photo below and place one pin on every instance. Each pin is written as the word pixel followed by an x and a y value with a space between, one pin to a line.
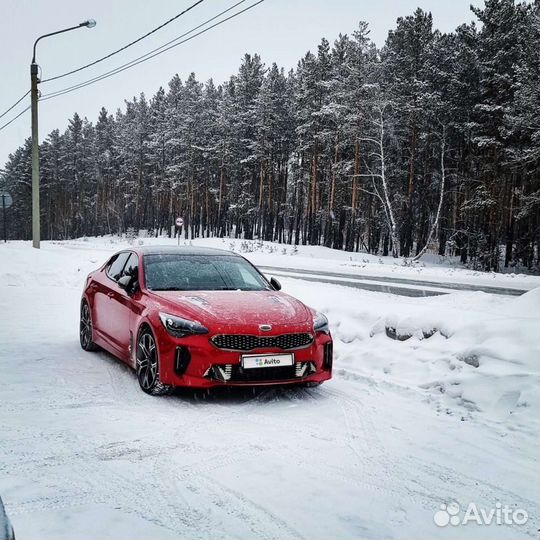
pixel 194 361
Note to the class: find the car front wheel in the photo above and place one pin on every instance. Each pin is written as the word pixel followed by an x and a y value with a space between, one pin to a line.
pixel 148 365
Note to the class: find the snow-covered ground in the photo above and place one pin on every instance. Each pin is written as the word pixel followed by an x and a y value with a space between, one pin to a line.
pixel 403 427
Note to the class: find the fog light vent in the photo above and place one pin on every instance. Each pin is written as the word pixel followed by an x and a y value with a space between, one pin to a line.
pixel 222 372
pixel 328 356
pixel 181 361
pixel 303 369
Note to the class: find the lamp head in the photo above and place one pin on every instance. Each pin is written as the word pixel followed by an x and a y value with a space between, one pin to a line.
pixel 90 23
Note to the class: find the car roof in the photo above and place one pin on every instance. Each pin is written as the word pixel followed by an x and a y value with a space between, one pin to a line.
pixel 182 250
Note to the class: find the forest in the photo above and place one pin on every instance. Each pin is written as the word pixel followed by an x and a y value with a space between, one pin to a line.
pixel 428 143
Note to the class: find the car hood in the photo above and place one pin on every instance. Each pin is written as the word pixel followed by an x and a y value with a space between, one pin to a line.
pixel 233 308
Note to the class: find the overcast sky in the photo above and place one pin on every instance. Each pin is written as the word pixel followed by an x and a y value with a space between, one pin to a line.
pixel 280 31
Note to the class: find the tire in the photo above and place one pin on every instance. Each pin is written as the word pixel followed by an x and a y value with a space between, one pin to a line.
pixel 148 365
pixel 85 328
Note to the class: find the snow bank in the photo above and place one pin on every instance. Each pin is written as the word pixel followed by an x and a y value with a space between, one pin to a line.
pixel 470 353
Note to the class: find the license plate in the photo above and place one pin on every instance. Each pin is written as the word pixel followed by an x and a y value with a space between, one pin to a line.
pixel 252 361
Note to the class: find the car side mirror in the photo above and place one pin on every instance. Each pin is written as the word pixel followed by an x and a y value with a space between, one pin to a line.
pixel 124 282
pixel 128 283
pixel 275 284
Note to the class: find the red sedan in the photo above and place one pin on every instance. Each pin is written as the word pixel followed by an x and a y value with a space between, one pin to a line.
pixel 201 317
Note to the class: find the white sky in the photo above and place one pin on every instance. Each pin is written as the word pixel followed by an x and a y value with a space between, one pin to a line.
pixel 279 30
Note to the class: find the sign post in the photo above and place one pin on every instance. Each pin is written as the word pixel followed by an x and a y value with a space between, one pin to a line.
pixel 179 224
pixel 7 201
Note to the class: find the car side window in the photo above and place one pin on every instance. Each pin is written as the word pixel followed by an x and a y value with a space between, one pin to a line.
pixel 132 266
pixel 110 262
pixel 115 267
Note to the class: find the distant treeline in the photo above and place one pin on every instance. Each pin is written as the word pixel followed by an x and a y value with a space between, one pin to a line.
pixel 351 150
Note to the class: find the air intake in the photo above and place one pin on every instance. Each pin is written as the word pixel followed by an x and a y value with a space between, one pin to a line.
pixel 328 356
pixel 181 360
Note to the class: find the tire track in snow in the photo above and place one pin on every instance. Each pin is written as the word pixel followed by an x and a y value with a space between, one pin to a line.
pixel 262 522
pixel 434 476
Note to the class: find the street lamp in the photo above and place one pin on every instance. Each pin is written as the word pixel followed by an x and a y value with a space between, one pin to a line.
pixel 36 234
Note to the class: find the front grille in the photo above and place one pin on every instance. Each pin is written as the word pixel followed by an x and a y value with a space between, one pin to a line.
pixel 242 342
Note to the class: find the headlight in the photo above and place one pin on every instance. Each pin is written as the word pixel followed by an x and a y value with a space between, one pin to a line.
pixel 178 327
pixel 320 323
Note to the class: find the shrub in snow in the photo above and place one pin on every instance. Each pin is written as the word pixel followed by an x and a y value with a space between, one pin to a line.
pixel 393 333
pixel 131 235
pixel 469 358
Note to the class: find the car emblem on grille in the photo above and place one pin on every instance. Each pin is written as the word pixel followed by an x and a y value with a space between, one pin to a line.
pixel 265 327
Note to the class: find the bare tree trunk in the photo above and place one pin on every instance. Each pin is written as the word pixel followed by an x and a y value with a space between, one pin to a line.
pixel 441 197
pixel 385 197
pixel 333 184
pixel 390 212
pixel 355 178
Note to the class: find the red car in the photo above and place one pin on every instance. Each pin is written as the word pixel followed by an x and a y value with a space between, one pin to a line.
pixel 187 316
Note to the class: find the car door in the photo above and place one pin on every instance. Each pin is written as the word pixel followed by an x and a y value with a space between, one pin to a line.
pixel 120 307
pixel 101 292
pixel 6 530
pixel 107 311
pixel 135 305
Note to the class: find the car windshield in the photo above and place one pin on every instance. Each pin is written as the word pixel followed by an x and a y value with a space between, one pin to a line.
pixel 177 272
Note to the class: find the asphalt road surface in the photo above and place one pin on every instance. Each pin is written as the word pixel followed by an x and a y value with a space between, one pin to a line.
pixel 393 285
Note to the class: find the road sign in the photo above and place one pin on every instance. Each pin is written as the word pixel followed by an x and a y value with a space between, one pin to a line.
pixel 179 224
pixel 6 200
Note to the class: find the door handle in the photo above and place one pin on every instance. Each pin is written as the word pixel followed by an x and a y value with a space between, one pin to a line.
pixel 110 294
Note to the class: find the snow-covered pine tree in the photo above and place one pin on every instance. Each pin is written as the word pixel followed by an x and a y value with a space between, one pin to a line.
pixel 297 157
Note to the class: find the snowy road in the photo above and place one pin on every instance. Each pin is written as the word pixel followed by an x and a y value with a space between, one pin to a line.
pixel 391 285
pixel 402 428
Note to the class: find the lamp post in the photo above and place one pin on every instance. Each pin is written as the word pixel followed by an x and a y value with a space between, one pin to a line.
pixel 36 234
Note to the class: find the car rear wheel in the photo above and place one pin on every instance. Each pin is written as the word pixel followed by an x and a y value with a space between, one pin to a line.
pixel 148 365
pixel 85 328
